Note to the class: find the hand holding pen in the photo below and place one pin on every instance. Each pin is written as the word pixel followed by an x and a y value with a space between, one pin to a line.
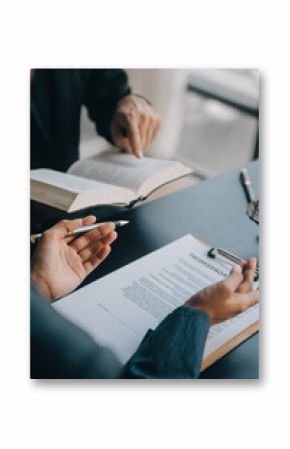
pixel 65 255
pixel 82 229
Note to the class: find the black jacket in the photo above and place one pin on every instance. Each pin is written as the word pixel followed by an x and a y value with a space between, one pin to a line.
pixel 59 349
pixel 57 96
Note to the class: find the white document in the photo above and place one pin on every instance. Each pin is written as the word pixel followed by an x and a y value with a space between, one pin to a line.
pixel 118 309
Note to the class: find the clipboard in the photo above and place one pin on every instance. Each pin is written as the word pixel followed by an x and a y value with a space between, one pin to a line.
pixel 243 335
pixel 186 255
pixel 215 252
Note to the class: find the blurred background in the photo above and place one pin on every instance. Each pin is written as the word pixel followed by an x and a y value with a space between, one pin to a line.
pixel 209 117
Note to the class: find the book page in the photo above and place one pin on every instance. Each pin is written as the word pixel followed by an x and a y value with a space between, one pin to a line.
pixel 62 180
pixel 118 309
pixel 122 169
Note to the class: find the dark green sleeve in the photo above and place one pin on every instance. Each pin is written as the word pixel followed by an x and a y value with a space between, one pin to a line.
pixel 174 350
pixel 61 350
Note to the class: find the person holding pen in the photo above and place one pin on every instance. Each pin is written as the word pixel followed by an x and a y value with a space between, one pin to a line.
pixel 59 349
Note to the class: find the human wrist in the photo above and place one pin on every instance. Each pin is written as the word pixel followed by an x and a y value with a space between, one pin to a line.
pixel 41 285
pixel 197 306
pixel 133 94
pixel 141 96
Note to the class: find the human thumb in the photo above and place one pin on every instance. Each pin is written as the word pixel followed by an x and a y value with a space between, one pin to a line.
pixel 234 278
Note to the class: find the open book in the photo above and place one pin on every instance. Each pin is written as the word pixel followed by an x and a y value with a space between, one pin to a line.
pixel 118 309
pixel 107 178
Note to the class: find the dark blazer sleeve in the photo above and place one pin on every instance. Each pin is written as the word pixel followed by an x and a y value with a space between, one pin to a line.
pixel 61 350
pixel 173 350
pixel 104 88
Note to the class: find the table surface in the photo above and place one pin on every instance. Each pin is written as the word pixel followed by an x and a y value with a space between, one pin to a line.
pixel 213 211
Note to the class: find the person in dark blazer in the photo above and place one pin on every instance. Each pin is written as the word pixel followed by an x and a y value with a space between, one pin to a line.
pixel 59 349
pixel 57 95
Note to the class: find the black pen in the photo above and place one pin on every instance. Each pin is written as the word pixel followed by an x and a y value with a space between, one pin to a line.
pixel 247 185
pixel 35 237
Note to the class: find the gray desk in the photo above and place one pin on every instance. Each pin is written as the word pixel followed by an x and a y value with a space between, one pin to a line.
pixel 213 211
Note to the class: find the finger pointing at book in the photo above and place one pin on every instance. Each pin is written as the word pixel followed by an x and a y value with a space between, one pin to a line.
pixel 134 124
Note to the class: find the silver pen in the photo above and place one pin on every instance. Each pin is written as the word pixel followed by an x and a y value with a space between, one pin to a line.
pixel 35 237
pixel 247 185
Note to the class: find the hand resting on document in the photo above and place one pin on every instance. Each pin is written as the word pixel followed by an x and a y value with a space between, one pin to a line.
pixel 224 300
pixel 60 264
